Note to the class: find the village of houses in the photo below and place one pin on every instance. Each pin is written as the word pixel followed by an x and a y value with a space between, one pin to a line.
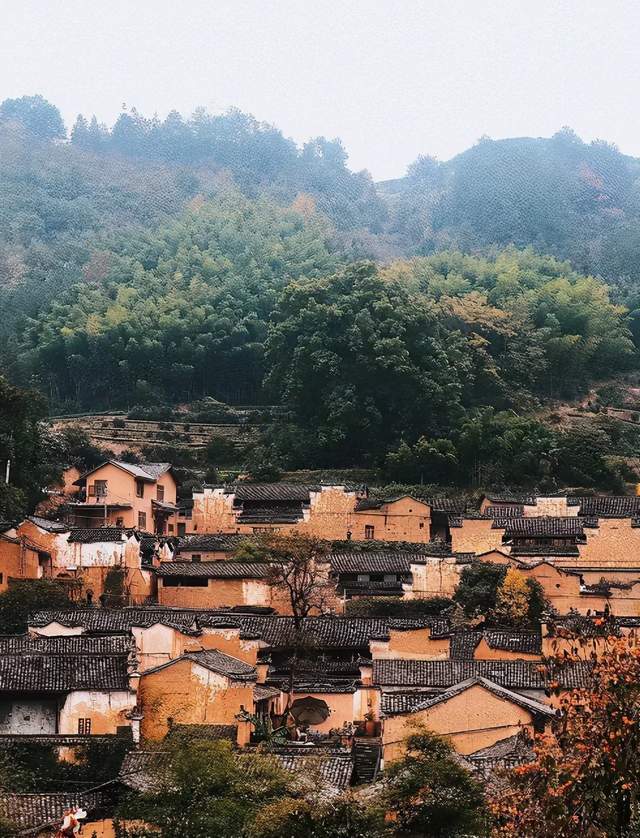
pixel 201 639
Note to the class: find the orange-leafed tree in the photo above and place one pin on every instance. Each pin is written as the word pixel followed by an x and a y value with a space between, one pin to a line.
pixel 512 599
pixel 585 779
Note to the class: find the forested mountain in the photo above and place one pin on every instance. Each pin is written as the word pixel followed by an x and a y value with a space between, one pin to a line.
pixel 164 261
pixel 574 200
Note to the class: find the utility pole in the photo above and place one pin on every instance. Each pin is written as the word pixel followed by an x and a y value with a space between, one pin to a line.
pixel 7 471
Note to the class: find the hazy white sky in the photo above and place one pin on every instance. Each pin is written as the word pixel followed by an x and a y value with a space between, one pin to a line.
pixel 392 78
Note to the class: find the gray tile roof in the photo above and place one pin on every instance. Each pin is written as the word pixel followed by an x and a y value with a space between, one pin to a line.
pixel 463 644
pixel 145 771
pixel 519 550
pixel 66 740
pixel 336 632
pixel 328 632
pixel 512 499
pixel 45 524
pixel 489 763
pixel 114 620
pixel 93 535
pixel 610 506
pixel 375 588
pixel 192 733
pixel 212 542
pixel 272 491
pixel 372 562
pixel 326 686
pixel 273 514
pixel 541 526
pixel 46 673
pixel 214 570
pixel 512 640
pixel 445 673
pixel 262 692
pixel 144 471
pixel 501 749
pixel 333 767
pixel 149 771
pixel 65 645
pixel 29 811
pixel 452 506
pixel 394 703
pixel 216 661
pixel 516 511
pixel 315 669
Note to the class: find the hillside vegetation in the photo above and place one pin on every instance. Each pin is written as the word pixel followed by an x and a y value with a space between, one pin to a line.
pixel 415 326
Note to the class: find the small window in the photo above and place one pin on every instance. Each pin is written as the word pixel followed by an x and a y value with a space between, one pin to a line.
pixel 182 529
pixel 101 488
pixel 84 727
pixel 142 520
pixel 196 557
pixel 185 582
pixel 119 522
pixel 160 492
pixel 1 578
pixel 170 527
pixel 139 489
pixel 363 577
pixel 369 532
pixel 390 577
pixel 421 525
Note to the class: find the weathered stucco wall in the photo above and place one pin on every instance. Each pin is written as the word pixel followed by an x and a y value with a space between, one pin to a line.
pixel 434 577
pixel 159 644
pixel 25 715
pixel 107 710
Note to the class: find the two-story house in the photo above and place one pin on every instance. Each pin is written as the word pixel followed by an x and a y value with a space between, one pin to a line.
pixel 119 494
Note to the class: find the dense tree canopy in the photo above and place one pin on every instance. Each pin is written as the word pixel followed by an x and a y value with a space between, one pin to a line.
pixel 356 358
pixel 180 313
pixel 414 355
pixel 28 452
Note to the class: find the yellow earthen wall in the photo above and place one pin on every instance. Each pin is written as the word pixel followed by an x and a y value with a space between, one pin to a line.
pixel 17 562
pixel 331 515
pixel 476 535
pixel 189 694
pixel 474 719
pixel 416 644
pixel 484 652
